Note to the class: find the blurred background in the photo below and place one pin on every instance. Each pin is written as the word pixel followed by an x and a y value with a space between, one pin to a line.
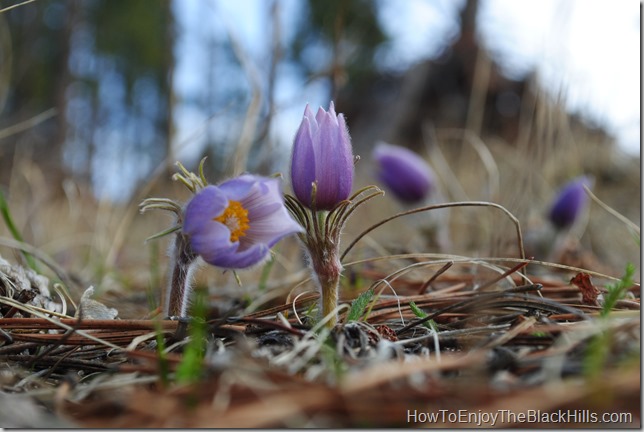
pixel 507 100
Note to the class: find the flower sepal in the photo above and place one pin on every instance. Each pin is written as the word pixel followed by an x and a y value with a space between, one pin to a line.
pixel 321 238
pixel 190 180
pixel 321 224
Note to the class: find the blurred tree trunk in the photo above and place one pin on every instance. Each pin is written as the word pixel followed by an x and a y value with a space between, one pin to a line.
pixel 63 80
pixel 40 49
pixel 113 61
pixel 169 65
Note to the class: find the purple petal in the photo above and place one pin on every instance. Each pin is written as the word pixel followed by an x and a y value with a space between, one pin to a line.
pixel 243 259
pixel 345 179
pixel 320 116
pixel 332 109
pixel 212 243
pixel 207 236
pixel 264 199
pixel 271 229
pixel 403 172
pixel 237 188
pixel 326 168
pixel 569 203
pixel 270 219
pixel 303 163
pixel 206 205
pixel 313 124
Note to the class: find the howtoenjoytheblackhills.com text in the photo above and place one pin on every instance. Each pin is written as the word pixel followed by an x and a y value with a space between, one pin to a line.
pixel 508 417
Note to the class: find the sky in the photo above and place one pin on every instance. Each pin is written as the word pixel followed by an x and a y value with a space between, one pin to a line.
pixel 587 50
pixel 590 49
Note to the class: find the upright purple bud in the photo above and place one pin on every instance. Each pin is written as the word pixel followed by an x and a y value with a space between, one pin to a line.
pixel 403 172
pixel 569 203
pixel 322 154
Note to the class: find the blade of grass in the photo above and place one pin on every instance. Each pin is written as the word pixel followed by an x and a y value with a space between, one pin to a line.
pixel 15 232
pixel 514 220
pixel 162 358
pixel 421 314
pixel 615 213
pixel 266 270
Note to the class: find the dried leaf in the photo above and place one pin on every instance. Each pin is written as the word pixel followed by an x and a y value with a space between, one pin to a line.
pixel 387 332
pixel 91 309
pixel 588 291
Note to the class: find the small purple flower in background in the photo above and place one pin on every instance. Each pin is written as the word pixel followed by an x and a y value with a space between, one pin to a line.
pixel 569 203
pixel 403 172
pixel 235 224
pixel 322 154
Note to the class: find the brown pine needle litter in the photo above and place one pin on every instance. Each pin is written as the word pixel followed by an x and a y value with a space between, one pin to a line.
pixel 514 346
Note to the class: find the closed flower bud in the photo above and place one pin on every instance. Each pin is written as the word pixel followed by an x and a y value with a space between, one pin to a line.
pixel 403 172
pixel 569 203
pixel 322 155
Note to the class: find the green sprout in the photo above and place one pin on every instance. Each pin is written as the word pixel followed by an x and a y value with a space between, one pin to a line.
pixel 359 305
pixel 618 290
pixel 431 324
pixel 598 348
pixel 190 369
pixel 162 358
pixel 15 232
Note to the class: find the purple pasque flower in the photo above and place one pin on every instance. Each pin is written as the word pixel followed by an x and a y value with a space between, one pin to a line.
pixel 322 154
pixel 403 172
pixel 235 224
pixel 569 203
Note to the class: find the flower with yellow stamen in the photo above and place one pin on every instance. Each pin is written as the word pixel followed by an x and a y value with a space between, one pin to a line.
pixel 234 225
pixel 235 217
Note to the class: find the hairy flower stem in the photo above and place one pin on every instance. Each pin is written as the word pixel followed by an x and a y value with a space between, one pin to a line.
pixel 327 268
pixel 321 238
pixel 324 251
pixel 183 263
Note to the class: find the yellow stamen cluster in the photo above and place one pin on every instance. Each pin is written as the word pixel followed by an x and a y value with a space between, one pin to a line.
pixel 235 217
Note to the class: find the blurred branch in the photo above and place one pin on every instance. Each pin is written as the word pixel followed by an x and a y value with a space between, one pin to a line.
pixel 478 95
pixel 612 211
pixel 337 66
pixel 8 8
pixel 249 128
pixel 6 60
pixel 28 124
pixel 277 53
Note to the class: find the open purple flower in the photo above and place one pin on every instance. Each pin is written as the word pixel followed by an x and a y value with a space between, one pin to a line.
pixel 322 154
pixel 235 224
pixel 403 172
pixel 569 203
